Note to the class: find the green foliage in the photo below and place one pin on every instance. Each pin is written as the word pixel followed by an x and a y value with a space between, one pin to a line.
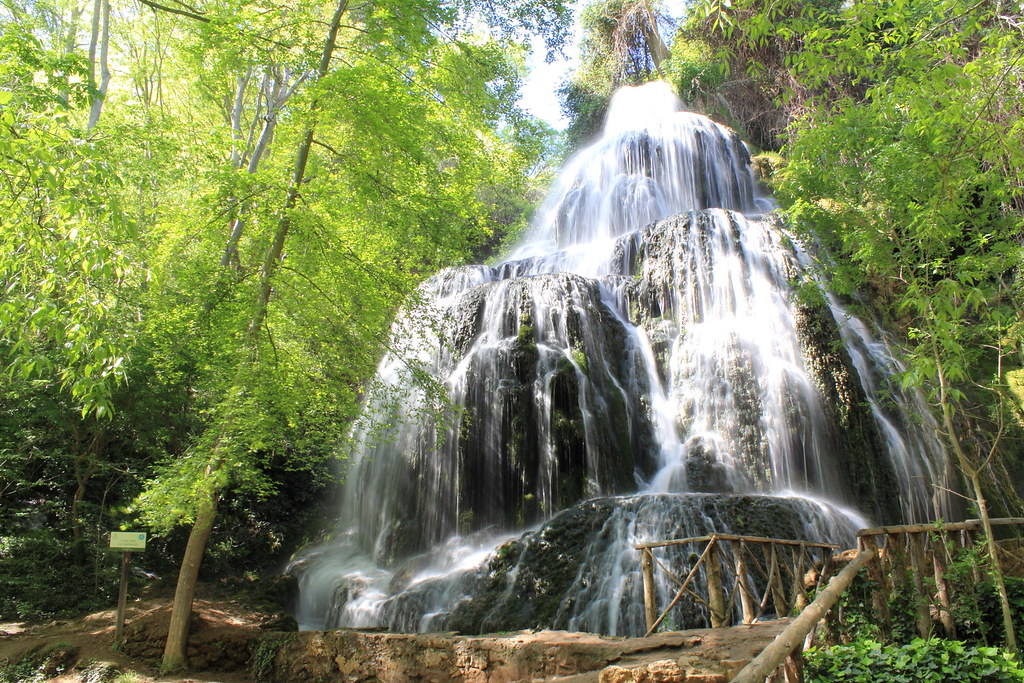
pixel 913 189
pixel 903 163
pixel 694 72
pixel 133 386
pixel 261 663
pixel 620 44
pixel 919 660
pixel 39 664
pixel 40 583
pixel 65 265
pixel 975 601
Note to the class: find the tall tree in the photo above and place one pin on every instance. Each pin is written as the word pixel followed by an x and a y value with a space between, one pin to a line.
pixel 906 166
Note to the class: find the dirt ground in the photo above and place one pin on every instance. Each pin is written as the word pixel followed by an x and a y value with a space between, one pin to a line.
pixel 224 633
pixel 91 639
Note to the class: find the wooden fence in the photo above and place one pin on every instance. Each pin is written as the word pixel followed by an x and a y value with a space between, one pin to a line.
pixel 742 574
pixel 911 557
pixel 926 550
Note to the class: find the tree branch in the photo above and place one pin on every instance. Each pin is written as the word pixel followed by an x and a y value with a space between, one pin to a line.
pixel 173 10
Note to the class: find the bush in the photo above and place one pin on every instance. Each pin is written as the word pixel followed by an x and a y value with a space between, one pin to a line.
pixel 919 660
pixel 39 578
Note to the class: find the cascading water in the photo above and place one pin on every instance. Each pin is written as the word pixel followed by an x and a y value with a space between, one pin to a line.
pixel 646 339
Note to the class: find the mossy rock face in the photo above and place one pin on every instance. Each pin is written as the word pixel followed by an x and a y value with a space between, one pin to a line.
pixel 860 454
pixel 553 577
pixel 543 416
pixel 767 164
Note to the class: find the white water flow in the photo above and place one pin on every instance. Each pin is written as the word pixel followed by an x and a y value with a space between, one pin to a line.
pixel 644 339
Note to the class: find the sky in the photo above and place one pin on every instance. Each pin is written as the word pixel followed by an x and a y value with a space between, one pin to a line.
pixel 540 90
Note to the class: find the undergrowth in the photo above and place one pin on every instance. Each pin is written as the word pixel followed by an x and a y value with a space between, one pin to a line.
pixel 859 645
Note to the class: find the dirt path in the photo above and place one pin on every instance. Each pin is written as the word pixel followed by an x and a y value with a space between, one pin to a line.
pixel 85 645
pixel 225 634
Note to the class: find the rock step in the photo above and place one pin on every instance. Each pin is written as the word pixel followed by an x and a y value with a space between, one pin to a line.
pixel 694 656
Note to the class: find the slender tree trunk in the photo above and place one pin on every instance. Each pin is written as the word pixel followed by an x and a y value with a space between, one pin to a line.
pixel 997 566
pixel 175 649
pixel 655 43
pixel 86 463
pixel 175 652
pixel 971 472
pixel 277 93
pixel 71 37
pixel 236 118
pixel 70 45
pixel 100 38
pixel 273 256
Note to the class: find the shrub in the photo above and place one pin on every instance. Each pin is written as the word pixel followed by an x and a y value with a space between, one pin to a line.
pixel 919 660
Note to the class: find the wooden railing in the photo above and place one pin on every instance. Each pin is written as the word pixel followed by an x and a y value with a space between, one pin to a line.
pixel 743 565
pixel 887 552
pixel 927 550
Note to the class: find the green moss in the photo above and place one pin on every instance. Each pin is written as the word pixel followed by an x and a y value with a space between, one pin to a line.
pixel 466 521
pixel 767 164
pixel 1015 383
pixel 579 357
pixel 264 654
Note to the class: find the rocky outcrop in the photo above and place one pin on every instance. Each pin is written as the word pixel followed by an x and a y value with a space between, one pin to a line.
pixel 579 570
pixel 700 656
pixel 692 363
pixel 542 416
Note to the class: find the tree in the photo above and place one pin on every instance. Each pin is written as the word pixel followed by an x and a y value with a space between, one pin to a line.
pixel 621 44
pixel 361 219
pixel 177 215
pixel 914 190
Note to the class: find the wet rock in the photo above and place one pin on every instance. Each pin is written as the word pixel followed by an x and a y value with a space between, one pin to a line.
pixel 538 580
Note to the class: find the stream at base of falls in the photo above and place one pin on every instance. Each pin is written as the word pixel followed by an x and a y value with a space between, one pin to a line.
pixel 655 360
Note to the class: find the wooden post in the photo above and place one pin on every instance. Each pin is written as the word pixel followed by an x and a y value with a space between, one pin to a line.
pixel 650 609
pixel 122 601
pixel 880 596
pixel 791 638
pixel 682 588
pixel 746 598
pixel 943 592
pixel 716 597
pixel 778 588
pixel 799 600
pixel 793 667
pixel 922 597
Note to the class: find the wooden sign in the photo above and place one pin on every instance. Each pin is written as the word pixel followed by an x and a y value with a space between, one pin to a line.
pixel 127 540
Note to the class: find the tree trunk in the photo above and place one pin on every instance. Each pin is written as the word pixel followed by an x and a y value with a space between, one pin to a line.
pixel 997 566
pixel 971 472
pixel 273 257
pixel 175 649
pixel 277 93
pixel 655 44
pixel 70 45
pixel 175 652
pixel 236 118
pixel 85 465
pixel 100 38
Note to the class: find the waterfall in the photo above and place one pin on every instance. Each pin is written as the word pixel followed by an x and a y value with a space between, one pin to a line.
pixel 643 366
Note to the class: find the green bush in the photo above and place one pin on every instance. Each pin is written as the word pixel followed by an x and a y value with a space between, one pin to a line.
pixel 919 660
pixel 41 579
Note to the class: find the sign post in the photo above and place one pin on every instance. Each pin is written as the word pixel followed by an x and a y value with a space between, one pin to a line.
pixel 126 542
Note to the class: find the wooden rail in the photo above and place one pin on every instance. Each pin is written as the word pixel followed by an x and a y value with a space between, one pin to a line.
pixel 792 637
pixel 926 550
pixel 779 566
pixel 910 557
